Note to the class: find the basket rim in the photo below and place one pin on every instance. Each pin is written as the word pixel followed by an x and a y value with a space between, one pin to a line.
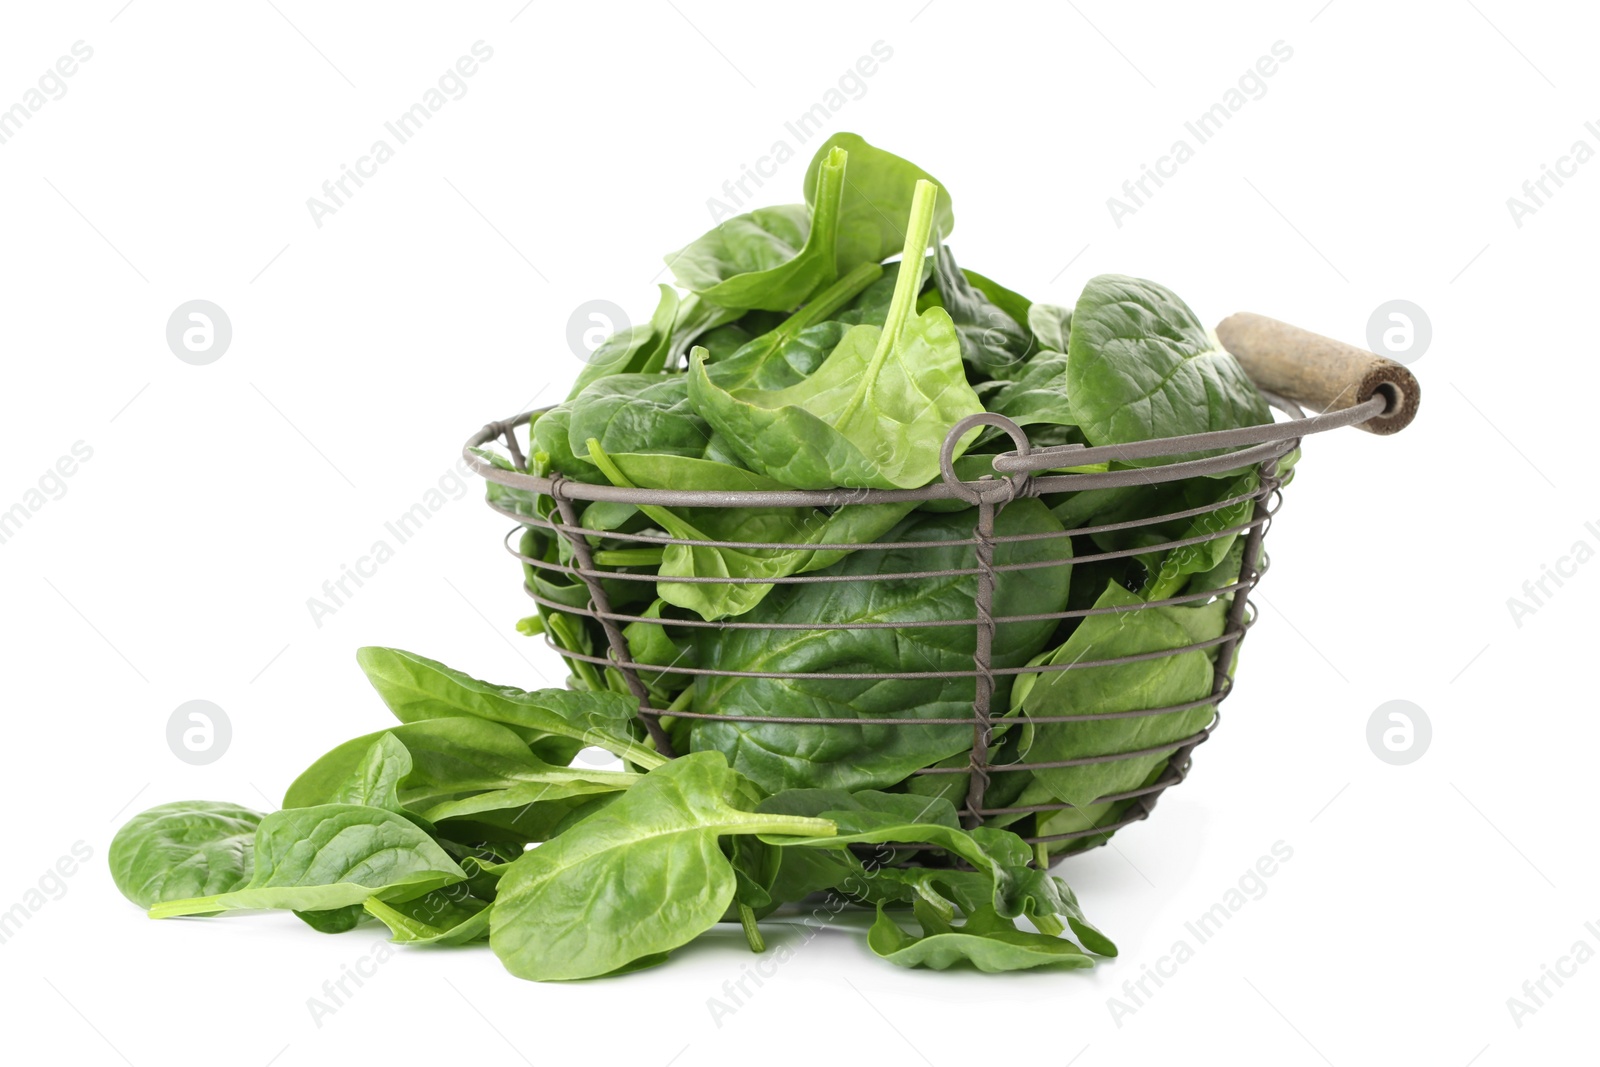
pixel 1244 447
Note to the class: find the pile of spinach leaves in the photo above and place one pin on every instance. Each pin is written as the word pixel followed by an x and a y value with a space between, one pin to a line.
pixel 467 822
pixel 794 353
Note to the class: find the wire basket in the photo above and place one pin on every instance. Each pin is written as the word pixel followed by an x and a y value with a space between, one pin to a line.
pixel 1291 366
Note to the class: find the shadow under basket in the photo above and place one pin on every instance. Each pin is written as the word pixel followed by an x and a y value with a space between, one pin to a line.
pixel 1063 674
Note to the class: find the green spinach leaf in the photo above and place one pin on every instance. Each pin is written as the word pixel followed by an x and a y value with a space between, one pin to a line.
pixel 188 848
pixel 555 722
pixel 770 258
pixel 326 857
pixel 986 940
pixel 874 415
pixel 637 879
pixel 1140 366
pixel 1110 690
pixel 878 192
pixel 840 755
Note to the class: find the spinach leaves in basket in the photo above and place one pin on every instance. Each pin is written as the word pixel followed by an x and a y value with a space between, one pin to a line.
pixel 811 667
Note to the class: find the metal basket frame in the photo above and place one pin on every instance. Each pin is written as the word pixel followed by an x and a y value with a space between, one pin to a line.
pixel 1022 475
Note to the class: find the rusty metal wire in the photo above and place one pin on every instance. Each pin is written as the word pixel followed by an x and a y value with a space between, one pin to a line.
pixel 1024 473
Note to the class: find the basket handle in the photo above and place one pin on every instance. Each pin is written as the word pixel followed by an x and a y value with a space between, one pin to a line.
pixel 1319 372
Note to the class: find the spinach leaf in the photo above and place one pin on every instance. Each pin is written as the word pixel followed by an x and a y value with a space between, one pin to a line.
pixel 334 920
pixel 1171 679
pixel 376 780
pixel 877 195
pixel 851 524
pixel 874 415
pixel 637 879
pixel 785 754
pixel 549 442
pixel 631 350
pixel 330 856
pixel 992 342
pixel 1051 326
pixel 795 348
pixel 1140 366
pixel 453 758
pixel 986 940
pixel 638 413
pixel 1012 303
pixel 1228 504
pixel 1037 395
pixel 438 918
pixel 770 258
pixel 550 800
pixel 188 848
pixel 555 722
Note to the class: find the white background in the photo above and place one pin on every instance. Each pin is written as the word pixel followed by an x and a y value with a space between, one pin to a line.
pixel 178 563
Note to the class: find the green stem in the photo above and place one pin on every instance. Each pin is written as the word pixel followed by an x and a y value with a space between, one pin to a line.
pixel 752 932
pixel 678 703
pixel 919 227
pixel 636 754
pixel 825 208
pixel 629 557
pixel 824 304
pixel 168 909
pixel 786 825
pixel 1048 924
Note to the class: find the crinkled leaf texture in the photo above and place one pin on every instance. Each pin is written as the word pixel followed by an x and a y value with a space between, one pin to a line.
pixel 1141 366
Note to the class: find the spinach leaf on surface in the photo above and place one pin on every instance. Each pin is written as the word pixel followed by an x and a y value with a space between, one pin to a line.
pixel 986 940
pixel 441 917
pixel 330 856
pixel 188 848
pixel 453 758
pixel 635 880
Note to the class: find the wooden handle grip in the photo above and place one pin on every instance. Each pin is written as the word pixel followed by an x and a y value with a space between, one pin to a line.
pixel 1319 372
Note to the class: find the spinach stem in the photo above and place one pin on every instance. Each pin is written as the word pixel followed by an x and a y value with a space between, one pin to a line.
pixel 786 825
pixel 825 209
pixel 168 909
pixel 919 228
pixel 906 286
pixel 629 557
pixel 1048 924
pixel 831 299
pixel 752 932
